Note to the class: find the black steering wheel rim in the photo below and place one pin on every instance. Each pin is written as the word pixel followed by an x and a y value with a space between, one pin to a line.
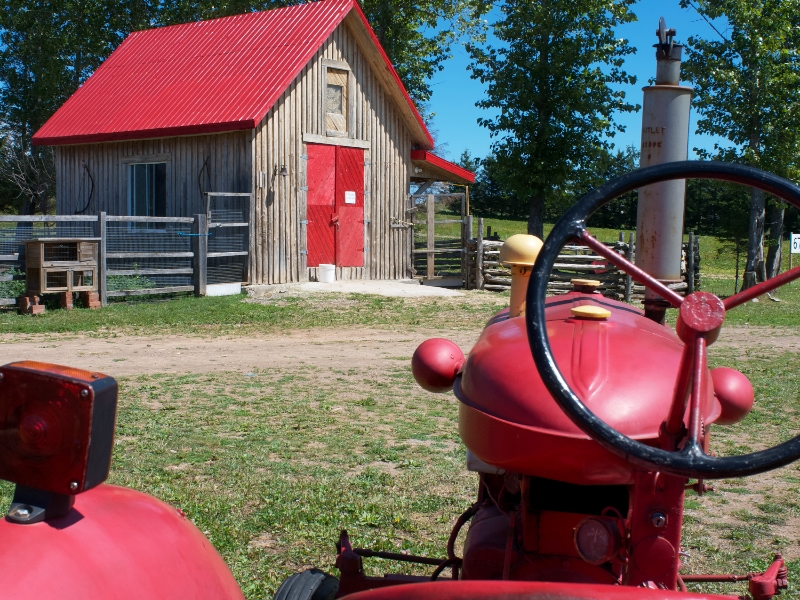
pixel 691 463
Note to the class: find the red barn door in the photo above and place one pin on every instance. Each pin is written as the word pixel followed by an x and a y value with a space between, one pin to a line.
pixel 321 204
pixel 350 207
pixel 335 206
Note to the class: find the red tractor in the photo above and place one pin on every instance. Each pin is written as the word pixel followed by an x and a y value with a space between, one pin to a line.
pixel 585 420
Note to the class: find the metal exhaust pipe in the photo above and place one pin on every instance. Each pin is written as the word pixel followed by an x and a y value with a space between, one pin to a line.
pixel 665 138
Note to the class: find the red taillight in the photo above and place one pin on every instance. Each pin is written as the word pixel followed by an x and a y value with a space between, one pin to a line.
pixel 56 426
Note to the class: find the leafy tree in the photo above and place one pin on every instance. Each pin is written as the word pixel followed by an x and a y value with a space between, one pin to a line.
pixel 716 208
pixel 411 33
pixel 719 209
pixel 173 12
pixel 551 81
pixel 747 86
pixel 489 195
pixel 47 49
pixel 621 212
pixel 492 196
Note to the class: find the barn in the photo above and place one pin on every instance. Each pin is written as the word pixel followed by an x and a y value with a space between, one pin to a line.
pixel 293 117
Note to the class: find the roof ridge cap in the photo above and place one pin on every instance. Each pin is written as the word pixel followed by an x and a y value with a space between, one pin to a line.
pixel 251 14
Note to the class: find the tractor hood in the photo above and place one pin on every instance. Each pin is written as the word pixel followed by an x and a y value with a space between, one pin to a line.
pixel 622 365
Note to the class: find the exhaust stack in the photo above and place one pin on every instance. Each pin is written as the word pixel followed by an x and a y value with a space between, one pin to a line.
pixel 665 138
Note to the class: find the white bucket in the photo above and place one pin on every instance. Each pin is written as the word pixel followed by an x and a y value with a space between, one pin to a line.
pixel 326 273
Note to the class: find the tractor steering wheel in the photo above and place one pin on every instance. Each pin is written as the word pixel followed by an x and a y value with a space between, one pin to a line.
pixel 700 316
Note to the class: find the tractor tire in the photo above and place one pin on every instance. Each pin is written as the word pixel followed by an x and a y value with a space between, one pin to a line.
pixel 312 584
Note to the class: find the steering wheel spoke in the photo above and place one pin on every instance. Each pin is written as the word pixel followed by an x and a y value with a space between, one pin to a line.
pixel 699 387
pixel 631 269
pixel 761 288
pixel 674 423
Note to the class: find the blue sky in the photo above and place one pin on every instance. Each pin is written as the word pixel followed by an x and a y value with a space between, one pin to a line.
pixel 455 94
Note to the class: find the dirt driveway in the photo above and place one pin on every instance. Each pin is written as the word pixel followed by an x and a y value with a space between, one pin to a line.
pixel 353 347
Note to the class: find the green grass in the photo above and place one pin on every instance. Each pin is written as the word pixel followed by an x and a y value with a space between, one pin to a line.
pixel 271 465
pixel 229 315
pixel 764 313
pixel 738 527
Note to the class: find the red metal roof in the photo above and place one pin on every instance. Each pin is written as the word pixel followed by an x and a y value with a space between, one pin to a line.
pixel 205 77
pixel 444 168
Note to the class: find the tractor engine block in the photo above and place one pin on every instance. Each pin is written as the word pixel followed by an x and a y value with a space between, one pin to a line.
pixel 536 529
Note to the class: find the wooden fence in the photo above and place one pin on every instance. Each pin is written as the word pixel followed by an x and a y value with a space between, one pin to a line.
pixel 484 271
pixel 136 255
pixel 439 225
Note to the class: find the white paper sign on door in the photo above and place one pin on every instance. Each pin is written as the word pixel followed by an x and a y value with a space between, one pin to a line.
pixel 349 197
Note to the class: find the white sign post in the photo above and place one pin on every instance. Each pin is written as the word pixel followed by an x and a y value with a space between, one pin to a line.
pixel 794 248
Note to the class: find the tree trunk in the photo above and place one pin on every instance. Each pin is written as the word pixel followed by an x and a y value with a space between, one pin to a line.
pixel 775 251
pixel 24 228
pixel 27 208
pixel 754 268
pixel 536 217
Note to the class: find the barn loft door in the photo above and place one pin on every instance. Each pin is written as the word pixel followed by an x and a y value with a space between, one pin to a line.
pixel 335 206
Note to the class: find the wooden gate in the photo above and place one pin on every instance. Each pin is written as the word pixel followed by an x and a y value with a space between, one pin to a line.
pixel 440 234
pixel 228 221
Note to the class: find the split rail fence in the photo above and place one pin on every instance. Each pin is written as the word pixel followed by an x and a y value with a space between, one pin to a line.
pixel 484 271
pixel 140 255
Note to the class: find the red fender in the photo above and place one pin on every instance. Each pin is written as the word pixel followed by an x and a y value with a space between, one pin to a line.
pixel 116 544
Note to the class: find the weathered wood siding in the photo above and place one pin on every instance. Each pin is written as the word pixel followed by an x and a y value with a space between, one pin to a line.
pixel 280 204
pixel 246 161
pixel 228 157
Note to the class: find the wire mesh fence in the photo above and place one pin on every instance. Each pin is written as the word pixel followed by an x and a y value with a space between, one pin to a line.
pixel 14 234
pixel 16 231
pixel 138 256
pixel 168 237
pixel 226 269
pixel 227 207
pixel 148 257
pixel 228 237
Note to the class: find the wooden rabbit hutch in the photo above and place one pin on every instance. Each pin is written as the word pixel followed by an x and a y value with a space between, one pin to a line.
pixel 60 266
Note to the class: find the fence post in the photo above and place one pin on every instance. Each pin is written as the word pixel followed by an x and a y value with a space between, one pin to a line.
pixel 431 239
pixel 469 263
pixel 628 280
pixel 200 250
pixel 690 264
pixel 696 276
pixel 479 256
pixel 101 231
pixel 463 242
